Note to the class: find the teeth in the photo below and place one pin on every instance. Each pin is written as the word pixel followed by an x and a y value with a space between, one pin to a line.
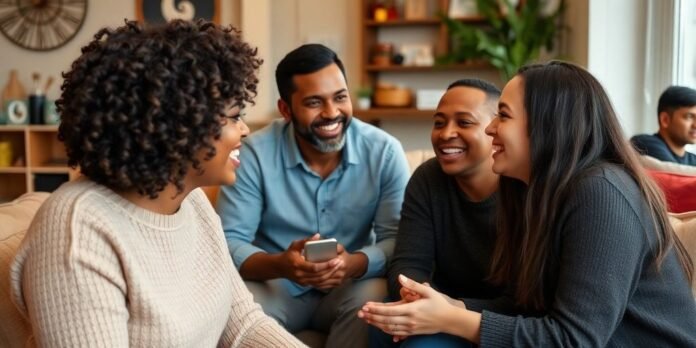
pixel 497 148
pixel 451 150
pixel 329 127
pixel 234 155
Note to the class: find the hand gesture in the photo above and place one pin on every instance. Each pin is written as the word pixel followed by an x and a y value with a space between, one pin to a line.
pixel 433 312
pixel 410 295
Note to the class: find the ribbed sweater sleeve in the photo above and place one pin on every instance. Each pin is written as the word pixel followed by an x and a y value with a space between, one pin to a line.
pixel 95 270
pixel 607 292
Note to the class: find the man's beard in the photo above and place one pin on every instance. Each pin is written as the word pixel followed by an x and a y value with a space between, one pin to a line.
pixel 323 145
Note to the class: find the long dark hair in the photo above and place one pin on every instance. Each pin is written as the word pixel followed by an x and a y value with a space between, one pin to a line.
pixel 572 128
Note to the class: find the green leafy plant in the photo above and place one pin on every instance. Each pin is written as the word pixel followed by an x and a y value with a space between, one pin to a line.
pixel 364 92
pixel 513 38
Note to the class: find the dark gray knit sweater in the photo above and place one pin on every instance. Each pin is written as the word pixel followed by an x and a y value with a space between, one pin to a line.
pixel 606 290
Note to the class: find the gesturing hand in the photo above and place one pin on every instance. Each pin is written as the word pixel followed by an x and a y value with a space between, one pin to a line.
pixel 410 295
pixel 431 313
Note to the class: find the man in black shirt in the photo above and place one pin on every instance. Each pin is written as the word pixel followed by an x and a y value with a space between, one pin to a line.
pixel 447 228
pixel 676 115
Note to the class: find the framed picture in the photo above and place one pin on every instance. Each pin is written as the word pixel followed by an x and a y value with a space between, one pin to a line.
pixel 417 54
pixel 162 11
pixel 462 8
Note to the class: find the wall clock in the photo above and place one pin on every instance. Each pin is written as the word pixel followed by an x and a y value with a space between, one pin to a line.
pixel 162 11
pixel 41 25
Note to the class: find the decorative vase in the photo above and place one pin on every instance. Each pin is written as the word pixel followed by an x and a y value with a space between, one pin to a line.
pixel 13 89
pixel 364 103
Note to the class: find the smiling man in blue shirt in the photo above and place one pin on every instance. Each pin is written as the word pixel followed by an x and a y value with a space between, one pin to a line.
pixel 316 171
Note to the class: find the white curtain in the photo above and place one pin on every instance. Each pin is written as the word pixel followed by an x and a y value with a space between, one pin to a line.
pixel 660 67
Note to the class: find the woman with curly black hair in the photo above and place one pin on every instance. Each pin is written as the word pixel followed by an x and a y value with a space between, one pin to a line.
pixel 132 253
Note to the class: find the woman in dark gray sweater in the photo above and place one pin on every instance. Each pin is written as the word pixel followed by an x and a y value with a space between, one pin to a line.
pixel 583 241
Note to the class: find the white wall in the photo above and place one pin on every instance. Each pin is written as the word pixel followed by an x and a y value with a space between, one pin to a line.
pixel 616 51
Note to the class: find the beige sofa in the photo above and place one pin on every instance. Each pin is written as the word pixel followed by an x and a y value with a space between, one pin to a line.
pixel 14 221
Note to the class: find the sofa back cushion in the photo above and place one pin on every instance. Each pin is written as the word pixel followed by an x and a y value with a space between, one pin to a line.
pixel 685 226
pixel 16 217
pixel 679 190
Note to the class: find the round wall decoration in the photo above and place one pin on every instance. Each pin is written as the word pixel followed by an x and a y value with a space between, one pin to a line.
pixel 41 25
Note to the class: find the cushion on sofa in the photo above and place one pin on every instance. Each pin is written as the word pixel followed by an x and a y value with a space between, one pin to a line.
pixel 15 217
pixel 685 226
pixel 652 163
pixel 416 157
pixel 680 190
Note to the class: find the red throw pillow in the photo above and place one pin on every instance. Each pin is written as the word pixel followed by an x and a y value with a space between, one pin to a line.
pixel 680 190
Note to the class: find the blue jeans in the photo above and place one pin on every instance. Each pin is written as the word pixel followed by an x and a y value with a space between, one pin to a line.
pixel 379 339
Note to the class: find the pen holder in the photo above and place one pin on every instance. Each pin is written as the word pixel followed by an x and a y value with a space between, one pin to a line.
pixel 36 108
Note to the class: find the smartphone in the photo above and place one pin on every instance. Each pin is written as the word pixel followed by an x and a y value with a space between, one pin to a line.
pixel 321 250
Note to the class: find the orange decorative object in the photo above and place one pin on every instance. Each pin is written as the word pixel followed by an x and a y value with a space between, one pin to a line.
pixel 381 14
pixel 382 54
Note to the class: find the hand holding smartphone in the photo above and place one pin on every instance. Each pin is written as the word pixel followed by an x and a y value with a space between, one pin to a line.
pixel 321 250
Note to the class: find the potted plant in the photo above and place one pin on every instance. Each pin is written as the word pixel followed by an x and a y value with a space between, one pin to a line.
pixel 514 37
pixel 364 95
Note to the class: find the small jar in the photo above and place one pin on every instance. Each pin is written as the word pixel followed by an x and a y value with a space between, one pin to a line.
pixel 382 54
pixel 5 154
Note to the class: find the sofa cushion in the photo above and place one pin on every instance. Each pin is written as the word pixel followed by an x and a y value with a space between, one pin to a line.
pixel 680 190
pixel 15 217
pixel 685 226
pixel 655 164
pixel 416 157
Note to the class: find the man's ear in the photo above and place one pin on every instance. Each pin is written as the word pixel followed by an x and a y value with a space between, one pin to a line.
pixel 284 109
pixel 665 119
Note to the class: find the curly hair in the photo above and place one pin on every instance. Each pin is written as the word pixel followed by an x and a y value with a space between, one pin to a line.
pixel 140 105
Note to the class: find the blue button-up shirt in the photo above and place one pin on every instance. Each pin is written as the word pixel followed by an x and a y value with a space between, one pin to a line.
pixel 278 199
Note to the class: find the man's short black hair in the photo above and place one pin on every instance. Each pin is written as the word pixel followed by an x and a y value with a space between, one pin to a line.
pixel 675 97
pixel 492 92
pixel 305 59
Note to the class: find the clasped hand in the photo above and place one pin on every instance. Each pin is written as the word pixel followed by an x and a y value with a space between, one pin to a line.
pixel 321 275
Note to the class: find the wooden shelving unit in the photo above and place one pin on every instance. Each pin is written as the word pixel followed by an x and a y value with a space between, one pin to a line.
pixel 37 157
pixel 371 33
pixel 394 114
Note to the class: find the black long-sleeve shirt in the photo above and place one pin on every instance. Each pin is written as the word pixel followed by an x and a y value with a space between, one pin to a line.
pixel 444 238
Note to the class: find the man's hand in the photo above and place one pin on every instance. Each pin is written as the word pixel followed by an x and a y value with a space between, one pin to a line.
pixel 351 266
pixel 292 265
pixel 316 274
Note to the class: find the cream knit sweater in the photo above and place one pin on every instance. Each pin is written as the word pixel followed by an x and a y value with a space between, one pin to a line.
pixel 98 271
